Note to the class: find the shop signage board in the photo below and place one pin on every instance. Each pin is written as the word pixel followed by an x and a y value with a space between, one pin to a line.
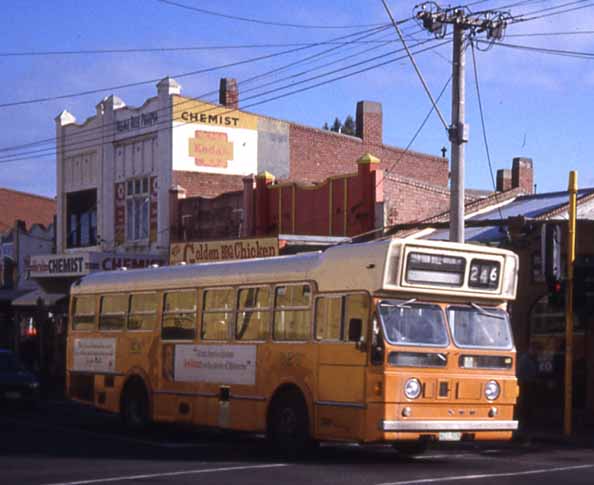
pixel 80 264
pixel 221 364
pixel 204 251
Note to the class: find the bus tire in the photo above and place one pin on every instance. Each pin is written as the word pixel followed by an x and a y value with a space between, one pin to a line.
pixel 410 448
pixel 288 424
pixel 135 407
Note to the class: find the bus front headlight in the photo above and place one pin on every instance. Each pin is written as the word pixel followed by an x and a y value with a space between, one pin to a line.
pixel 412 388
pixel 492 390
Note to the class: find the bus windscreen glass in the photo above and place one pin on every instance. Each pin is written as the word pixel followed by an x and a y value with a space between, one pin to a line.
pixel 477 327
pixel 413 324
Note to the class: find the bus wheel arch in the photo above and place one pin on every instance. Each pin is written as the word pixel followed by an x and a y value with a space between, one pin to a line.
pixel 135 403
pixel 289 420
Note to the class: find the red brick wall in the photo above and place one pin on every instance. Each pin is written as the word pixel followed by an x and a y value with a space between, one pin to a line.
pixel 207 184
pixel 31 208
pixel 317 154
pixel 409 200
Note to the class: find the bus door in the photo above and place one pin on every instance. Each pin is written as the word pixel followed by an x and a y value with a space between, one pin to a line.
pixel 340 329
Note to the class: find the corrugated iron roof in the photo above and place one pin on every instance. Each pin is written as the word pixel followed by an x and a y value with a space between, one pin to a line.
pixel 528 206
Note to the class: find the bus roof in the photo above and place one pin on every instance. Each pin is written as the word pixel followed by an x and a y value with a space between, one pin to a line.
pixel 340 268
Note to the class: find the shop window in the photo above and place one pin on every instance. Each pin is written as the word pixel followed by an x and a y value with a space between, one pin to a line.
pixel 113 312
pixel 81 219
pixel 137 209
pixel 143 311
pixel 292 312
pixel 179 316
pixel 83 313
pixel 253 317
pixel 217 314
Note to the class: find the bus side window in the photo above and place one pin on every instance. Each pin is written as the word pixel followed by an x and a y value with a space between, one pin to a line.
pixel 377 343
pixel 328 318
pixel 217 313
pixel 292 312
pixel 253 317
pixel 356 315
pixel 143 311
pixel 83 313
pixel 114 309
pixel 179 315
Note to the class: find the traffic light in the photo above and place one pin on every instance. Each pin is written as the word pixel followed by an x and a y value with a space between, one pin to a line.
pixel 557 293
pixel 551 249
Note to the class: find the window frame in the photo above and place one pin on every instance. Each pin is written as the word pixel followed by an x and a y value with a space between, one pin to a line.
pixel 343 315
pixel 269 309
pixel 164 313
pixel 233 311
pixel 94 314
pixel 309 308
pixel 156 313
pixel 125 313
pixel 134 196
pixel 328 296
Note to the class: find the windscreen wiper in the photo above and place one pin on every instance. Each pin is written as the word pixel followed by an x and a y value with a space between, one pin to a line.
pixel 399 305
pixel 486 313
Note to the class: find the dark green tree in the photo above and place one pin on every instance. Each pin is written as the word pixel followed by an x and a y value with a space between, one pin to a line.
pixel 336 126
pixel 349 127
pixel 325 127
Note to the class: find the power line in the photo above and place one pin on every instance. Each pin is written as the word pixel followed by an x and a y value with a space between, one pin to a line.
pixel 202 96
pixel 544 50
pixel 527 17
pixel 552 34
pixel 290 93
pixel 265 22
pixel 149 81
pixel 483 125
pixel 87 143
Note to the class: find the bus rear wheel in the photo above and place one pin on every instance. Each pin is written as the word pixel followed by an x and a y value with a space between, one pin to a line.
pixel 135 409
pixel 288 426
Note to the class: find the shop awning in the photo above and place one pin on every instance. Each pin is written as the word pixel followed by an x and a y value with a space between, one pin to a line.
pixel 35 297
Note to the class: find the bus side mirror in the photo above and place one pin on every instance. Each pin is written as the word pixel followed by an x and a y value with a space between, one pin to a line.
pixel 355 329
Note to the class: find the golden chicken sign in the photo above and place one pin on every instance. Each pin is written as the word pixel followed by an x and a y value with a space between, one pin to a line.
pixel 211 149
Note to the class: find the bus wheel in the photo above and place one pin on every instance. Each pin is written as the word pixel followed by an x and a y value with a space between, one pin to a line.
pixel 409 448
pixel 288 427
pixel 134 408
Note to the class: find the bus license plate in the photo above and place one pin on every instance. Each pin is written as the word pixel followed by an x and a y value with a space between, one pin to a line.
pixel 450 436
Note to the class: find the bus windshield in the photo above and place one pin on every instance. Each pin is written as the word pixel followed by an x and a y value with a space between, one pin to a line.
pixel 479 327
pixel 408 323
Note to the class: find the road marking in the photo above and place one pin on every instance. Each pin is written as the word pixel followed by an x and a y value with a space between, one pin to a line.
pixel 171 474
pixel 489 475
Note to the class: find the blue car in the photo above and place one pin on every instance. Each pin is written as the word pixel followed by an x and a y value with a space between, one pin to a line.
pixel 16 383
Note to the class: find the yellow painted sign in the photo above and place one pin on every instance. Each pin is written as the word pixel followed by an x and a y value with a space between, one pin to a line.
pixel 190 111
pixel 202 252
pixel 211 149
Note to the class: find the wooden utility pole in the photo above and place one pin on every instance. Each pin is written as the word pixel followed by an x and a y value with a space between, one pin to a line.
pixel 436 20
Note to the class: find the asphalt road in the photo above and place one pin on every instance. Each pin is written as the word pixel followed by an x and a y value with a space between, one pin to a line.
pixel 64 443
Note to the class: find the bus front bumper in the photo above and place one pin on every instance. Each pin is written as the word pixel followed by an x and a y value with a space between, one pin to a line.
pixel 435 426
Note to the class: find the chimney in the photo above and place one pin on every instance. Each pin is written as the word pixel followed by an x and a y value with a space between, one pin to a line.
pixel 168 86
pixel 522 174
pixel 504 180
pixel 369 122
pixel 229 93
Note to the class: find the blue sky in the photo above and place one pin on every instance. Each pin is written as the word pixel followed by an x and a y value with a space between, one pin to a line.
pixel 536 105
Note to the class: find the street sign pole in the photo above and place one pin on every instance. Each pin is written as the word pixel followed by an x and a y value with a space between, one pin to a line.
pixel 568 407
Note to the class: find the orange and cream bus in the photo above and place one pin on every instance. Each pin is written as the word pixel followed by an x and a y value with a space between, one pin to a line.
pixel 393 341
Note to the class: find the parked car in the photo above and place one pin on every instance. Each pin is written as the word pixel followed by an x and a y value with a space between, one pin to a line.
pixel 16 383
